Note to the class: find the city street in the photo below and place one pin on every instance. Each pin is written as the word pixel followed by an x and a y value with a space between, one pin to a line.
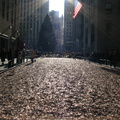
pixel 60 88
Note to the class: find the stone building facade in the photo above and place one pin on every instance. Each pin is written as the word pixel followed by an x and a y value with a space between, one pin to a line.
pixel 68 25
pixel 101 25
pixel 32 16
pixel 9 24
pixel 57 23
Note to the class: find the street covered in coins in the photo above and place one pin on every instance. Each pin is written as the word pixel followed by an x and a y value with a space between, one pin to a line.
pixel 60 88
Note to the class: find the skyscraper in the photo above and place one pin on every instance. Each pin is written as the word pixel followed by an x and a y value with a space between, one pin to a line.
pixel 68 25
pixel 101 26
pixel 9 24
pixel 58 29
pixel 32 16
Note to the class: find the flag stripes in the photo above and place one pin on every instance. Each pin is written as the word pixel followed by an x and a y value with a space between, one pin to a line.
pixel 77 9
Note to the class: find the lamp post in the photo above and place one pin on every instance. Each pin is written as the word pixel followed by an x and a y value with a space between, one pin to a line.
pixel 24 39
pixel 17 39
pixel 10 41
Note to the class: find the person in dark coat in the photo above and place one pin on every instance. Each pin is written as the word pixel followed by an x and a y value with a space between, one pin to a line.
pixel 23 55
pixel 32 55
pixel 10 57
pixel 19 57
pixel 115 58
pixel 3 56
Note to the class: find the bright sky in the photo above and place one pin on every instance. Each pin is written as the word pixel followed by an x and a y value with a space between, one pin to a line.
pixel 57 5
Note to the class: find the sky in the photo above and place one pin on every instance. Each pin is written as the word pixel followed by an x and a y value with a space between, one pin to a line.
pixel 57 5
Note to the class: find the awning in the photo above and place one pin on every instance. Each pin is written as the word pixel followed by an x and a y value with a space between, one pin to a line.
pixel 13 38
pixel 3 36
pixel 69 42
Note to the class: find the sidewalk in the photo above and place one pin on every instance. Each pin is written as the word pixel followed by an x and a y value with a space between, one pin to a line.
pixel 5 66
pixel 117 66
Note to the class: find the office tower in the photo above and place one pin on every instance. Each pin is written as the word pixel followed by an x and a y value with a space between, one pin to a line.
pixel 101 26
pixel 57 23
pixel 68 25
pixel 32 16
pixel 9 24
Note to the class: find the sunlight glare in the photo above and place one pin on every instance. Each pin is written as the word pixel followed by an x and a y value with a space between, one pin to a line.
pixel 57 5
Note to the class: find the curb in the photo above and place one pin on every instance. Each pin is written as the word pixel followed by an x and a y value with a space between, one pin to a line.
pixel 7 69
pixel 117 67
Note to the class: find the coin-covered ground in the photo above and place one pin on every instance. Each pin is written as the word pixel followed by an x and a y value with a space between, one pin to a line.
pixel 60 88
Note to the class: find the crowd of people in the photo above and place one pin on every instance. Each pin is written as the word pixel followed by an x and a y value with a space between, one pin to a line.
pixel 20 56
pixel 109 58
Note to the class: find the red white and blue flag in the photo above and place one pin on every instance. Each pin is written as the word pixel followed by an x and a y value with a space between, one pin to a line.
pixel 77 8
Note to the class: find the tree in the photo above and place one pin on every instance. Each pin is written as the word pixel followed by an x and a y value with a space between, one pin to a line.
pixel 47 39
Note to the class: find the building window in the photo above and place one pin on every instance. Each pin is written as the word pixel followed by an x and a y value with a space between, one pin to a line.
pixel 108 7
pixel 12 12
pixel 7 11
pixel 108 27
pixel 119 10
pixel 15 2
pixel 3 8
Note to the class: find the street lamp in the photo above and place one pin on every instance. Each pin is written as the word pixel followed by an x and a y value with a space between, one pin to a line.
pixel 10 27
pixel 25 35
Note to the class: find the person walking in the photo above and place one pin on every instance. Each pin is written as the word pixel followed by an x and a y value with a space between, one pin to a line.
pixel 23 55
pixel 3 55
pixel 32 55
pixel 13 57
pixel 10 57
pixel 19 57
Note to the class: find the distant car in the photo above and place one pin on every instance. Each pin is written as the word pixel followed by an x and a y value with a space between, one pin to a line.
pixel 94 57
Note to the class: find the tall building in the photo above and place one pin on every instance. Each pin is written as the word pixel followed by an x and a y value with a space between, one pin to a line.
pixel 108 27
pixel 78 27
pixel 9 24
pixel 32 16
pixel 57 24
pixel 101 26
pixel 61 34
pixel 89 12
pixel 68 25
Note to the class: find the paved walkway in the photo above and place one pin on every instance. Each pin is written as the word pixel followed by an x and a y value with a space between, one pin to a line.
pixel 60 89
pixel 5 66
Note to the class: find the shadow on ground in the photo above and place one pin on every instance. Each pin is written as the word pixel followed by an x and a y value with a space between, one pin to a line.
pixel 114 70
pixel 28 64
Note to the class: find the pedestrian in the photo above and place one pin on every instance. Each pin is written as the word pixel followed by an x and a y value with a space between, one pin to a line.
pixel 19 57
pixel 32 55
pixel 3 55
pixel 13 56
pixel 16 56
pixel 115 58
pixel 10 57
pixel 23 55
pixel 111 58
pixel 27 55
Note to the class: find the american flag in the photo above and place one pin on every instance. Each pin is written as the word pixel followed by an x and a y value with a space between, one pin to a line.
pixel 77 8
